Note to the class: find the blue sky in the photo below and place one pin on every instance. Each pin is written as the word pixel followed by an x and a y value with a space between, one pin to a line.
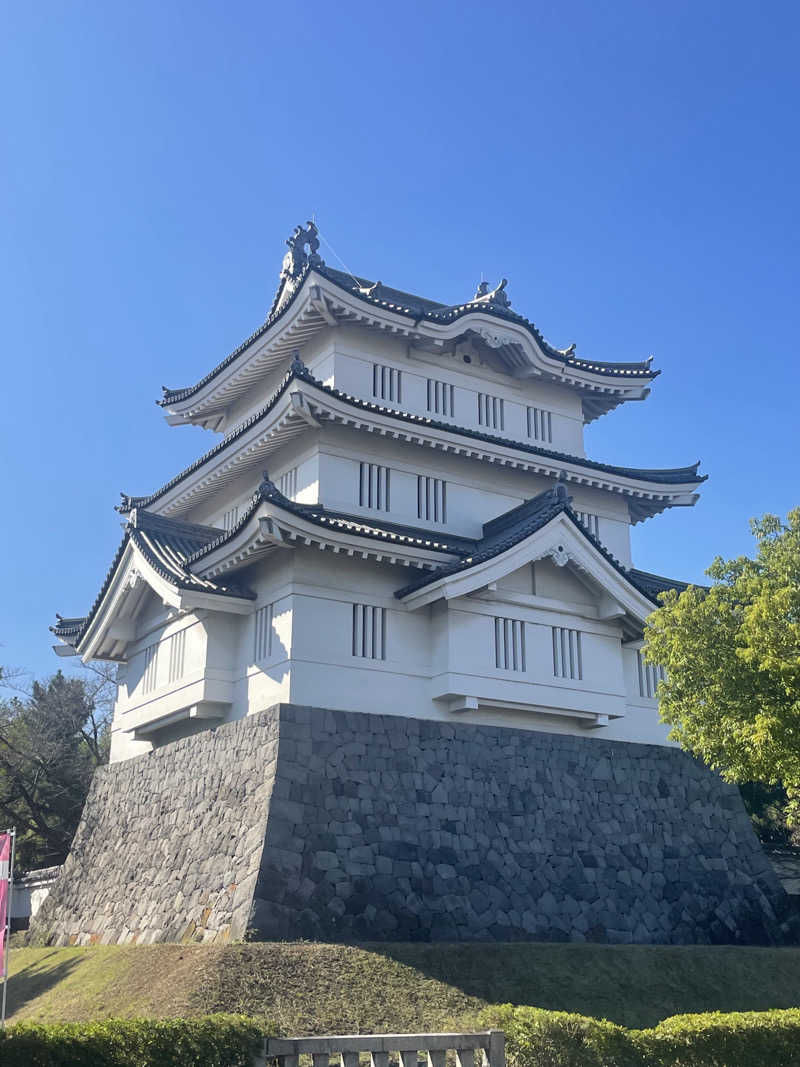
pixel 632 168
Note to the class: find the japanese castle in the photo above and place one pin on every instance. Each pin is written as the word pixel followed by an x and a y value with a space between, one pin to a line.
pixel 399 517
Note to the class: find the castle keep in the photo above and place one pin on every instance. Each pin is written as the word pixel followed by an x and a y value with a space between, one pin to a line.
pixel 379 653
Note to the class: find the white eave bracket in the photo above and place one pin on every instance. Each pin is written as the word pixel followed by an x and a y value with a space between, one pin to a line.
pixel 300 407
pixel 271 533
pixel 319 303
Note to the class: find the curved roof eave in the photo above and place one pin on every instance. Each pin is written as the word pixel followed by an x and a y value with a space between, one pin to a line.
pixel 390 534
pixel 679 476
pixel 434 316
pixel 165 555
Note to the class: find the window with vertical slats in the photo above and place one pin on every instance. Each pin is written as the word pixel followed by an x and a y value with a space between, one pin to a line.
pixel 441 398
pixel 490 412
pixel 387 383
pixel 373 486
pixel 230 518
pixel 590 521
pixel 288 483
pixel 263 632
pixel 650 674
pixel 567 653
pixel 509 644
pixel 177 653
pixel 540 425
pixel 369 632
pixel 150 668
pixel 431 499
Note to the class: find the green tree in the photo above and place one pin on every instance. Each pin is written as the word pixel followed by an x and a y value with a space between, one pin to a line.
pixel 732 657
pixel 53 735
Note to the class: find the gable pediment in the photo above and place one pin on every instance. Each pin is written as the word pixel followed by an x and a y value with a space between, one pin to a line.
pixel 570 568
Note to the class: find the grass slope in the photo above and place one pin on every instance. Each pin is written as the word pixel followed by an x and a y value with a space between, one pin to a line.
pixel 319 988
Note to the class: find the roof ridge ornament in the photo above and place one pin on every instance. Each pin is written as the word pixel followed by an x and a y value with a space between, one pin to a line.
pixel 297 366
pixel 297 261
pixel 127 504
pixel 267 489
pixel 496 297
pixel 297 258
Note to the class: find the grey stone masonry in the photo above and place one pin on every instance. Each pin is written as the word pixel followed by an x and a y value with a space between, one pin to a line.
pixel 169 844
pixel 309 823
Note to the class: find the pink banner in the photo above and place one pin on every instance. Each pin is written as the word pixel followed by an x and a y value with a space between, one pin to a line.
pixel 5 874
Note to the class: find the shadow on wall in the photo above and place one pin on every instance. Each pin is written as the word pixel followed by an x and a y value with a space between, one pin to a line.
pixel 37 978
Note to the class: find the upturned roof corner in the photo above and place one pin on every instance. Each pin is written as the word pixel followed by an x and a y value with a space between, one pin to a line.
pixel 302 262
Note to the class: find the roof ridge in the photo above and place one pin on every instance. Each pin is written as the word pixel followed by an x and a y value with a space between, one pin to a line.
pixel 143 519
pixel 555 495
pixel 437 312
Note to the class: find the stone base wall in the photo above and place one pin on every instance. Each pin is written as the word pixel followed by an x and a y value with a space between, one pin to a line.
pixel 169 843
pixel 309 823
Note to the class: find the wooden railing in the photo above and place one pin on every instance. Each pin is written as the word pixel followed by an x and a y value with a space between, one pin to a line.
pixel 490 1046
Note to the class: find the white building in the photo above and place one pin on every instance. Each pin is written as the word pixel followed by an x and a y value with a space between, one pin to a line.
pixel 431 539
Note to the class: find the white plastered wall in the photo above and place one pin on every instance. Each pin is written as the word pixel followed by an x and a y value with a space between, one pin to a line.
pixel 355 353
pixel 310 659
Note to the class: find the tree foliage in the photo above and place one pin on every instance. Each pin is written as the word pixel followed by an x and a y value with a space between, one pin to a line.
pixel 53 734
pixel 732 657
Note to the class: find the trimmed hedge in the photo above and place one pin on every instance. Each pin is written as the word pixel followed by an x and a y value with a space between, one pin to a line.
pixel 534 1038
pixel 537 1038
pixel 738 1039
pixel 212 1041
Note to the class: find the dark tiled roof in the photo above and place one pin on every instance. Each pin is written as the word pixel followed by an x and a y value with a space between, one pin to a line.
pixel 166 544
pixel 653 584
pixel 501 534
pixel 418 308
pixel 389 533
pixel 397 299
pixel 67 629
pixel 669 476
pixel 514 526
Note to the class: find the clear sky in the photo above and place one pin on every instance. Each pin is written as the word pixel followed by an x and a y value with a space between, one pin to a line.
pixel 631 167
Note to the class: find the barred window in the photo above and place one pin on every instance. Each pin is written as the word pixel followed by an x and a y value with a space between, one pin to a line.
pixel 369 632
pixel 387 383
pixel 567 653
pixel 230 518
pixel 373 486
pixel 590 521
pixel 540 425
pixel 509 644
pixel 431 499
pixel 490 412
pixel 650 674
pixel 177 654
pixel 288 483
pixel 263 632
pixel 150 668
pixel 441 398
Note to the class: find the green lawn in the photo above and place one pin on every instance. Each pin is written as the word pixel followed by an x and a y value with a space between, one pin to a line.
pixel 316 988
